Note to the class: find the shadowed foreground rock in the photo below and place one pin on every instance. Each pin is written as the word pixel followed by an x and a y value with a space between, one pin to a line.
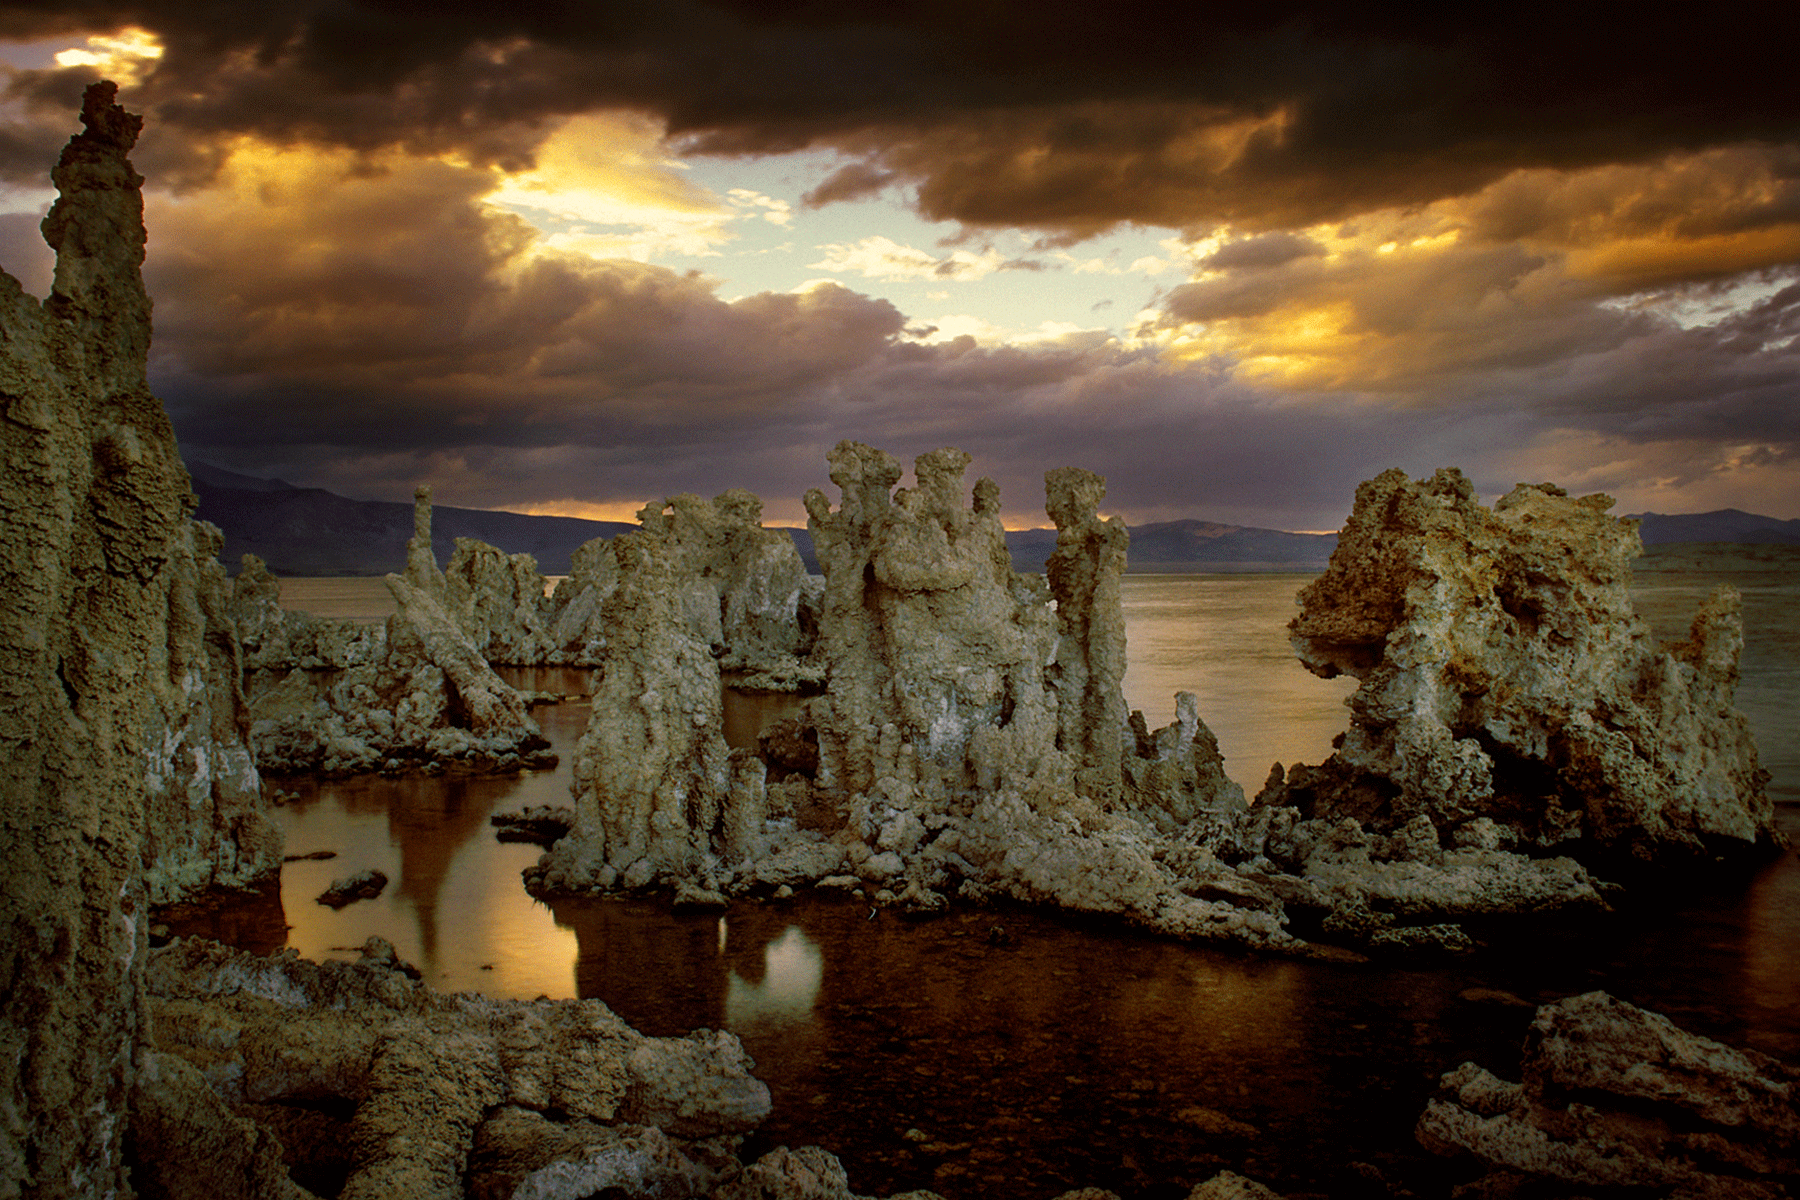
pixel 1617 1098
pixel 126 776
pixel 282 1078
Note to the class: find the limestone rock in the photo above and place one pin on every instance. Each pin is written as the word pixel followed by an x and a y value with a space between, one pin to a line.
pixel 364 885
pixel 652 771
pixel 499 601
pixel 208 825
pixel 429 701
pixel 1228 1185
pixel 426 1074
pixel 187 1144
pixel 926 632
pixel 543 824
pixel 1617 1097
pixel 809 1173
pixel 742 584
pixel 521 1155
pixel 118 724
pixel 1084 572
pixel 576 631
pixel 1504 675
pixel 273 638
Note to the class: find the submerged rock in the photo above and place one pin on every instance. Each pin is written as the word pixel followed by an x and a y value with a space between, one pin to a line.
pixel 364 885
pixel 1506 679
pixel 1614 1097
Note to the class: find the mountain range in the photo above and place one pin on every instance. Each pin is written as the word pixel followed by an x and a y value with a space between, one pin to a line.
pixel 309 531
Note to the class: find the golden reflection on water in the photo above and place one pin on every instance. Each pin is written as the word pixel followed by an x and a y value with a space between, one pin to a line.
pixel 454 905
pixel 792 969
pixel 1224 638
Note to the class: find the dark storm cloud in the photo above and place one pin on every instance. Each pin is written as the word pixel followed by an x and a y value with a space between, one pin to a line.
pixel 1066 117
pixel 1264 250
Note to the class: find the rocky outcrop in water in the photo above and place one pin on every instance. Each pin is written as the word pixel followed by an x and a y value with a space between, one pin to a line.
pixel 121 724
pixel 414 693
pixel 576 629
pixel 499 601
pixel 657 795
pixel 952 742
pixel 1615 1100
pixel 273 638
pixel 430 701
pixel 1505 676
pixel 743 588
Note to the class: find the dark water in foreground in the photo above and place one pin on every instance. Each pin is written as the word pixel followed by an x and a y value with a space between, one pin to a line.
pixel 1011 1052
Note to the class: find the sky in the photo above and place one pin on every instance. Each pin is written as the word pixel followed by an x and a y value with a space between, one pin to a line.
pixel 560 256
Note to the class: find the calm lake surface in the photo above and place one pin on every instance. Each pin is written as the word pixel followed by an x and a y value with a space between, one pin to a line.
pixel 1029 1052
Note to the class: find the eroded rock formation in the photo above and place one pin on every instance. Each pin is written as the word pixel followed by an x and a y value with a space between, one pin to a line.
pixel 120 723
pixel 365 1083
pixel 576 631
pixel 416 692
pixel 1619 1099
pixel 954 746
pixel 273 638
pixel 655 793
pixel 743 589
pixel 428 701
pixel 1505 676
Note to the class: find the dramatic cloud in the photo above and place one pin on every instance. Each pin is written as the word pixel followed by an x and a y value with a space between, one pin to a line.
pixel 503 247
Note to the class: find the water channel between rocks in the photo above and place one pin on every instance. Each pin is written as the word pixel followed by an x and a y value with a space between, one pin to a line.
pixel 1040 1052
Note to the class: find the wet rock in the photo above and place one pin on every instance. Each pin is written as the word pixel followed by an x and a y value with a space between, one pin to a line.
pixel 1615 1097
pixel 1228 1185
pixel 543 824
pixel 1505 677
pixel 364 885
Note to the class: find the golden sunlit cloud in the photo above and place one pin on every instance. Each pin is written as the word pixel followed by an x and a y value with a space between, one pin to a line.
pixel 605 186
pixel 122 57
pixel 1403 299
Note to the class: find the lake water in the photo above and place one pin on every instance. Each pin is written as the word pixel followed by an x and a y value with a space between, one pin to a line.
pixel 1028 1052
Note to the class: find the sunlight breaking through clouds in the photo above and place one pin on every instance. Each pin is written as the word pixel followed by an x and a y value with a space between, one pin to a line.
pixel 879 257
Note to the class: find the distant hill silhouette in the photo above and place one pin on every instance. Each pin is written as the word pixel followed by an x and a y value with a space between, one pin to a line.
pixel 310 531
pixel 1724 525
